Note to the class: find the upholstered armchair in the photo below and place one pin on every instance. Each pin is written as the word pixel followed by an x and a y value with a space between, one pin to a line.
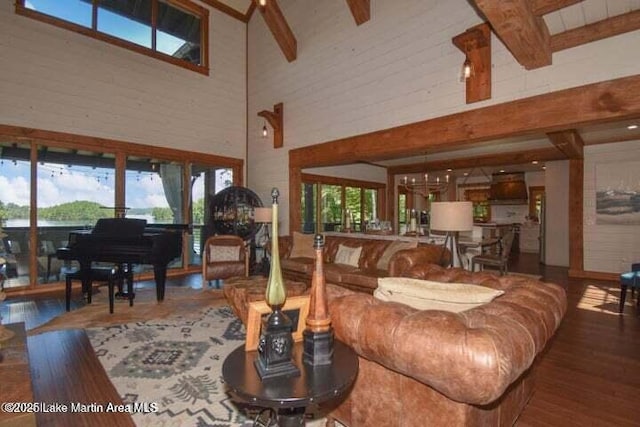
pixel 223 257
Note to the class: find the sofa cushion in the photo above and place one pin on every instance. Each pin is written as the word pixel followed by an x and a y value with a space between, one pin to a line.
pixel 428 295
pixel 224 253
pixel 300 265
pixel 395 246
pixel 333 273
pixel 363 278
pixel 302 246
pixel 348 256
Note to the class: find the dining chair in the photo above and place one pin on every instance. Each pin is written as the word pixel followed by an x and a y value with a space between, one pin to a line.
pixel 500 259
pixel 630 278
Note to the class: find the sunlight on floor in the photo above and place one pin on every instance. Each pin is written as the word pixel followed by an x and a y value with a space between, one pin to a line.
pixel 602 299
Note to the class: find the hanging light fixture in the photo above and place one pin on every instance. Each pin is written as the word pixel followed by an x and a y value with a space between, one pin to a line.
pixel 467 70
pixel 262 3
pixel 428 185
pixel 265 132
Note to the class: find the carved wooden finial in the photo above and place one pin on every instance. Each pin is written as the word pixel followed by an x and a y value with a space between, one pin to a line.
pixel 318 319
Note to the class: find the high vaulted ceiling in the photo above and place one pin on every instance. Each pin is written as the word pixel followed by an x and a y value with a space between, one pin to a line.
pixel 532 30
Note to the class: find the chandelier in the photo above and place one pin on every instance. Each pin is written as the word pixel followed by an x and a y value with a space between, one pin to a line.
pixel 426 187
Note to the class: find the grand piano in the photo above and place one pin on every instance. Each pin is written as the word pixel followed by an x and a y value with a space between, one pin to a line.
pixel 126 241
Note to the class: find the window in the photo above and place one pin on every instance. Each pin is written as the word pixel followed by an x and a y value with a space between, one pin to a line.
pixel 52 189
pixel 175 31
pixel 480 199
pixel 330 198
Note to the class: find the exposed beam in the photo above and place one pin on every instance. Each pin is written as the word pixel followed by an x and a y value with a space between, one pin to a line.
pixel 576 224
pixel 598 30
pixel 279 27
pixel 226 9
pixel 525 34
pixel 250 10
pixel 542 7
pixel 276 120
pixel 500 159
pixel 361 10
pixel 595 103
pixel 475 43
pixel 569 142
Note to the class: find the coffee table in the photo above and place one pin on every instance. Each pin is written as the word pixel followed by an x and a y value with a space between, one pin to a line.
pixel 291 397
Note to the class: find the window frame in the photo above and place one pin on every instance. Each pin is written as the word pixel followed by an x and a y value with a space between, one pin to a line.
pixel 39 139
pixel 185 5
pixel 320 180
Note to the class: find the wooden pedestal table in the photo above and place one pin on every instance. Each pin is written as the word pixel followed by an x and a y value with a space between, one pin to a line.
pixel 291 397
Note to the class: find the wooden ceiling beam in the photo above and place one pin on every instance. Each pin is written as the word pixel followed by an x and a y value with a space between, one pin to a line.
pixel 475 43
pixel 280 29
pixel 542 7
pixel 591 104
pixel 226 9
pixel 498 159
pixel 361 10
pixel 610 27
pixel 525 34
pixel 569 142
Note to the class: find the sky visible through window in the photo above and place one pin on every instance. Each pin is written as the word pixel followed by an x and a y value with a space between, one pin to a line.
pixel 59 184
pixel 79 12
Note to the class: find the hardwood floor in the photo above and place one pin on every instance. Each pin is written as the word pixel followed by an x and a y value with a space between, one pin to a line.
pixel 589 375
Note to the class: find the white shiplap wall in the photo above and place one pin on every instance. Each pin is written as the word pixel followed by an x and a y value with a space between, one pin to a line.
pixel 55 79
pixel 398 68
pixel 608 248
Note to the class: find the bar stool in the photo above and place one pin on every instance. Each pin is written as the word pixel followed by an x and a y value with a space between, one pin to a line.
pixel 112 275
pixel 630 278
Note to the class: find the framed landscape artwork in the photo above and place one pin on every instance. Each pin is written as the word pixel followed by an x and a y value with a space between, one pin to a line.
pixel 618 193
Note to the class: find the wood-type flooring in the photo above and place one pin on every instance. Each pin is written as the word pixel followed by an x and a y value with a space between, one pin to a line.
pixel 589 375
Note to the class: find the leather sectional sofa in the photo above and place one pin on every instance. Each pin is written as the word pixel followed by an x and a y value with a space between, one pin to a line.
pixel 439 368
pixel 364 276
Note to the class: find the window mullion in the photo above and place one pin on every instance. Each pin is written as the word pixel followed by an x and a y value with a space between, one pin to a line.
pixel 94 15
pixel 154 23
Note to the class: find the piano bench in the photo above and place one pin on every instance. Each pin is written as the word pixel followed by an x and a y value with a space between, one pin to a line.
pixel 111 275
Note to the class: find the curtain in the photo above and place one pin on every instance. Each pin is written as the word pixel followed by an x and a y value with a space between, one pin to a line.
pixel 171 176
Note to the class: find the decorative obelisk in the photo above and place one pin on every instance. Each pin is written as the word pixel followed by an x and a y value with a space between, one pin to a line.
pixel 318 334
pixel 276 340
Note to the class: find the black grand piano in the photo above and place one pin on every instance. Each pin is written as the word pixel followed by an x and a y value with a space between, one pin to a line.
pixel 126 241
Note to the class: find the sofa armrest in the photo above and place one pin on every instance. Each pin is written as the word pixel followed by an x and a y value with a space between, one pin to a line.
pixel 405 259
pixel 470 357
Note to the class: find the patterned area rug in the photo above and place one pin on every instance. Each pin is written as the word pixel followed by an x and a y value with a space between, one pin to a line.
pixel 170 370
pixel 172 367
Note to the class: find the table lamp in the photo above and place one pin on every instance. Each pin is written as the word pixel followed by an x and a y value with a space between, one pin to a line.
pixel 452 217
pixel 276 340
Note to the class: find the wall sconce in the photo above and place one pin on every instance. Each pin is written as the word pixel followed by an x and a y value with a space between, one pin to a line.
pixel 475 43
pixel 275 119
pixel 467 70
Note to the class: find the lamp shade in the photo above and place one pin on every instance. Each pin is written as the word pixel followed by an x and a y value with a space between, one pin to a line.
pixel 451 216
pixel 262 215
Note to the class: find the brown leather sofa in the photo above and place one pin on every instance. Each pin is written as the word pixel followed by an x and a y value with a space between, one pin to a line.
pixel 364 277
pixel 437 368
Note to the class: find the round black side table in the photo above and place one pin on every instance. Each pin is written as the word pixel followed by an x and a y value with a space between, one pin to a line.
pixel 289 397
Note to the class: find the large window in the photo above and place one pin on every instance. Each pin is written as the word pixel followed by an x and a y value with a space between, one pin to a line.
pixel 172 30
pixel 50 189
pixel 330 199
pixel 15 184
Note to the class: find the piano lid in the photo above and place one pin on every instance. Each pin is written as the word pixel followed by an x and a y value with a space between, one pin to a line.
pixel 125 227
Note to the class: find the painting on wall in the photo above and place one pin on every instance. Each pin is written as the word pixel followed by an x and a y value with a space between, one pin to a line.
pixel 618 193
